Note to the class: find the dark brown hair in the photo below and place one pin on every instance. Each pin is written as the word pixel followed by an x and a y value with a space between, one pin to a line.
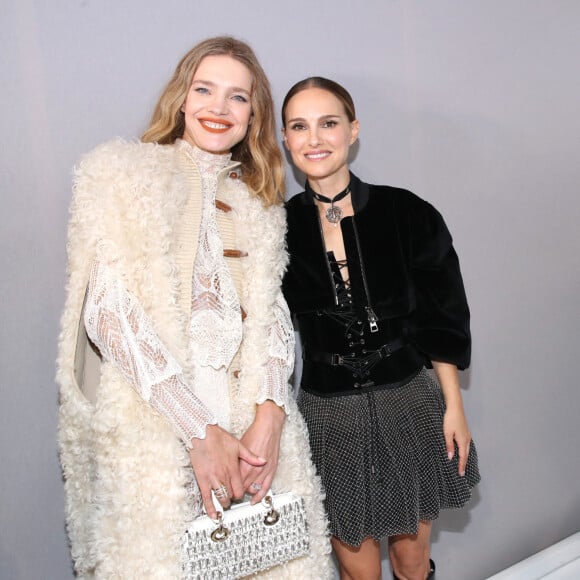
pixel 321 83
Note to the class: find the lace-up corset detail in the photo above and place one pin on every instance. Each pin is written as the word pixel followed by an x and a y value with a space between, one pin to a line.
pixel 341 284
pixel 344 312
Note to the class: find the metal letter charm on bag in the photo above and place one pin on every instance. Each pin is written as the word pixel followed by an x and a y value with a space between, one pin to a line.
pixel 246 538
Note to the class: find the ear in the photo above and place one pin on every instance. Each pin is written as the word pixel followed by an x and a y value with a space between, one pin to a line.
pixel 285 141
pixel 354 127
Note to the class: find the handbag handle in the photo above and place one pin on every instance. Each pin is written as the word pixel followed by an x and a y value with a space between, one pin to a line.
pixel 266 501
pixel 221 533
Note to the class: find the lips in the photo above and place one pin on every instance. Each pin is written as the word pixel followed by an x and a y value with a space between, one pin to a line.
pixel 215 125
pixel 317 155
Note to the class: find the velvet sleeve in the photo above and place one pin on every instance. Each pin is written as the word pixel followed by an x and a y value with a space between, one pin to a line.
pixel 441 318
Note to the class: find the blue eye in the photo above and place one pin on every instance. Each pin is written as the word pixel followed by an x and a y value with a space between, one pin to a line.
pixel 201 90
pixel 240 98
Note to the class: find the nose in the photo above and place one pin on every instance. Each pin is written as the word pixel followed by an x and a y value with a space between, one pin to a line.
pixel 313 137
pixel 219 105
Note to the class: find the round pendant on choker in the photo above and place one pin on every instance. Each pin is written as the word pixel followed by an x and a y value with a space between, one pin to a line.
pixel 333 214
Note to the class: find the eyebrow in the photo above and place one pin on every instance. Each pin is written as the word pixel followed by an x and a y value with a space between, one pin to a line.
pixel 211 84
pixel 322 118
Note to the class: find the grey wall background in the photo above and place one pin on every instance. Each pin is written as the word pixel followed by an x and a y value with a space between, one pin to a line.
pixel 474 105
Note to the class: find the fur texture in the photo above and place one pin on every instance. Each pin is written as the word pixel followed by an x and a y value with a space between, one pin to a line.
pixel 125 470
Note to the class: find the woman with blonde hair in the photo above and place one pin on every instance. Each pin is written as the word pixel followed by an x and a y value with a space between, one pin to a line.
pixel 176 344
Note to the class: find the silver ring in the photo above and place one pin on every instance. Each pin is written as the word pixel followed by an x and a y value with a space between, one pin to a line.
pixel 256 486
pixel 221 492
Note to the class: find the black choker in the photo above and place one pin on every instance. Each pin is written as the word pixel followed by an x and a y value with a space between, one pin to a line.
pixel 333 214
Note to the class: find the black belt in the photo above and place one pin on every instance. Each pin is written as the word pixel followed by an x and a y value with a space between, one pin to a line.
pixel 363 362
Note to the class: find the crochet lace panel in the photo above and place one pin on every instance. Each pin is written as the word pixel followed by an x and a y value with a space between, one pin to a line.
pixel 215 329
pixel 117 324
pixel 281 356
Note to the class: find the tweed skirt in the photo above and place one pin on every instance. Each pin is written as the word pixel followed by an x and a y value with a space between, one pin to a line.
pixel 382 459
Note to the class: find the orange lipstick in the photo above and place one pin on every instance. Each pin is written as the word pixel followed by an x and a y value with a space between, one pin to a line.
pixel 214 125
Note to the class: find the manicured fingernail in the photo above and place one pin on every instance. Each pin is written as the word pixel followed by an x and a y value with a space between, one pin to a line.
pixel 462 474
pixel 450 455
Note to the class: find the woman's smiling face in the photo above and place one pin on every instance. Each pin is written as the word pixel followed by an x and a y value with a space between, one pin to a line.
pixel 218 106
pixel 318 134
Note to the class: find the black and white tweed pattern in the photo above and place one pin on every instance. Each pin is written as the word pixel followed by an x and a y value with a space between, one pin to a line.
pixel 382 459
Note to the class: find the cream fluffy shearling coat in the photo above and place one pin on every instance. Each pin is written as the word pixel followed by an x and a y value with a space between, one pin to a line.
pixel 125 469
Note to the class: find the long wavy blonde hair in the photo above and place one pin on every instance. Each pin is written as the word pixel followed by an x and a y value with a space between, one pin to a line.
pixel 261 159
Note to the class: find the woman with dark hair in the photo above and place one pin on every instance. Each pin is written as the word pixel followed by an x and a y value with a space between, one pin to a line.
pixel 176 343
pixel 375 286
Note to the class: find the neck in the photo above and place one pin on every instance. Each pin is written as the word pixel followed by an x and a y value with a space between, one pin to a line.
pixel 331 185
pixel 205 160
pixel 335 199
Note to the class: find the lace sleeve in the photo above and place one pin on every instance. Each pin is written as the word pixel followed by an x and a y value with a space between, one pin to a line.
pixel 120 328
pixel 281 356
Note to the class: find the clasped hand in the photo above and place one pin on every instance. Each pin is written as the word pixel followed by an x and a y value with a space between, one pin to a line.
pixel 241 466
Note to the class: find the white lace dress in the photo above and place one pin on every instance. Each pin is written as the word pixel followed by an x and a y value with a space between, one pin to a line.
pixel 121 329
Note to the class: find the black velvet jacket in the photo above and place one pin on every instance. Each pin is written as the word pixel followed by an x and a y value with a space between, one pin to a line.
pixel 402 266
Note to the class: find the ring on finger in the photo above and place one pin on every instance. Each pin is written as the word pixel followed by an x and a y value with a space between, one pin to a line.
pixel 256 486
pixel 221 492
